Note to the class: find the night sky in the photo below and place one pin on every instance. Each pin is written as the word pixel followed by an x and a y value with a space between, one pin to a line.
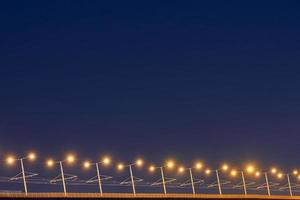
pixel 214 80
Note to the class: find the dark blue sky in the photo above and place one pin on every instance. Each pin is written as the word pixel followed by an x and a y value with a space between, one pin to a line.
pixel 192 79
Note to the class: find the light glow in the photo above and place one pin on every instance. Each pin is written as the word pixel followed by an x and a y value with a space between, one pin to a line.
pixel 139 162
pixel 31 156
pixel 279 175
pixel 86 164
pixel 10 160
pixel 170 164
pixel 207 171
pixel 106 160
pixel 198 165
pixel 152 168
pixel 273 170
pixel 250 169
pixel 120 166
pixel 50 163
pixel 257 174
pixel 181 169
pixel 225 167
pixel 233 173
pixel 70 158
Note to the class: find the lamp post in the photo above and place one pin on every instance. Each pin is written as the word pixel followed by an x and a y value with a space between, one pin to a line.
pixel 234 173
pixel 197 166
pixel 69 159
pixel 170 164
pixel 105 161
pixel 11 160
pixel 138 163
pixel 223 168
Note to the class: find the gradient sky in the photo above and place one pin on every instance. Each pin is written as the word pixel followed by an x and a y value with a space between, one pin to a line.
pixel 189 79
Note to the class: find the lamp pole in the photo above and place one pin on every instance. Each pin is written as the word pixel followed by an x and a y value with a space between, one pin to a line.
pixel 192 180
pixel 267 184
pixel 24 177
pixel 63 177
pixel 244 182
pixel 289 184
pixel 218 181
pixel 163 180
pixel 99 178
pixel 132 180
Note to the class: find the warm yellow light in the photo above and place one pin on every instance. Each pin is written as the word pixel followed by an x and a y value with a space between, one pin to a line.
pixel 106 160
pixel 31 156
pixel 250 169
pixel 181 169
pixel 225 167
pixel 86 164
pixel 295 172
pixel 233 173
pixel 70 158
pixel 170 164
pixel 139 162
pixel 198 165
pixel 273 170
pixel 10 160
pixel 207 171
pixel 50 163
pixel 298 177
pixel 279 175
pixel 120 166
pixel 152 168
pixel 257 174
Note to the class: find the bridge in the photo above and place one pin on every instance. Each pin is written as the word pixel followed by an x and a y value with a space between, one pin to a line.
pixel 142 196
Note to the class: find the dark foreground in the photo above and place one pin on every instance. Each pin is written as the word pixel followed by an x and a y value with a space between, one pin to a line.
pixel 140 196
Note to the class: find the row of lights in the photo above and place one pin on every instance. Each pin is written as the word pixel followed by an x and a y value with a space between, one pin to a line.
pixel 250 169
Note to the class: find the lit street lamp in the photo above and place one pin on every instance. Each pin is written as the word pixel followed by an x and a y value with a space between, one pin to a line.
pixel 10 160
pixel 69 159
pixel 138 163
pixel 198 166
pixel 104 161
pixel 170 164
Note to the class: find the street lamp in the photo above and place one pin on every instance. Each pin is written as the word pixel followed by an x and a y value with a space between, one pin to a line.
pixel 139 163
pixel 234 173
pixel 169 165
pixel 69 159
pixel 10 160
pixel 104 161
pixel 197 166
pixel 224 167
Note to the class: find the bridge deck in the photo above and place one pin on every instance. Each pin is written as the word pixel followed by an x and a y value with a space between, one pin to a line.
pixel 140 196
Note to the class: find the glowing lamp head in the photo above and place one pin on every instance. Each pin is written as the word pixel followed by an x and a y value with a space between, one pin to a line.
pixel 233 173
pixel 273 170
pixel 181 169
pixel 152 168
pixel 225 167
pixel 139 162
pixel 280 175
pixel 106 160
pixel 170 164
pixel 120 167
pixel 250 169
pixel 86 164
pixel 10 160
pixel 207 171
pixel 50 163
pixel 198 165
pixel 31 156
pixel 298 177
pixel 70 158
pixel 295 172
pixel 257 174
